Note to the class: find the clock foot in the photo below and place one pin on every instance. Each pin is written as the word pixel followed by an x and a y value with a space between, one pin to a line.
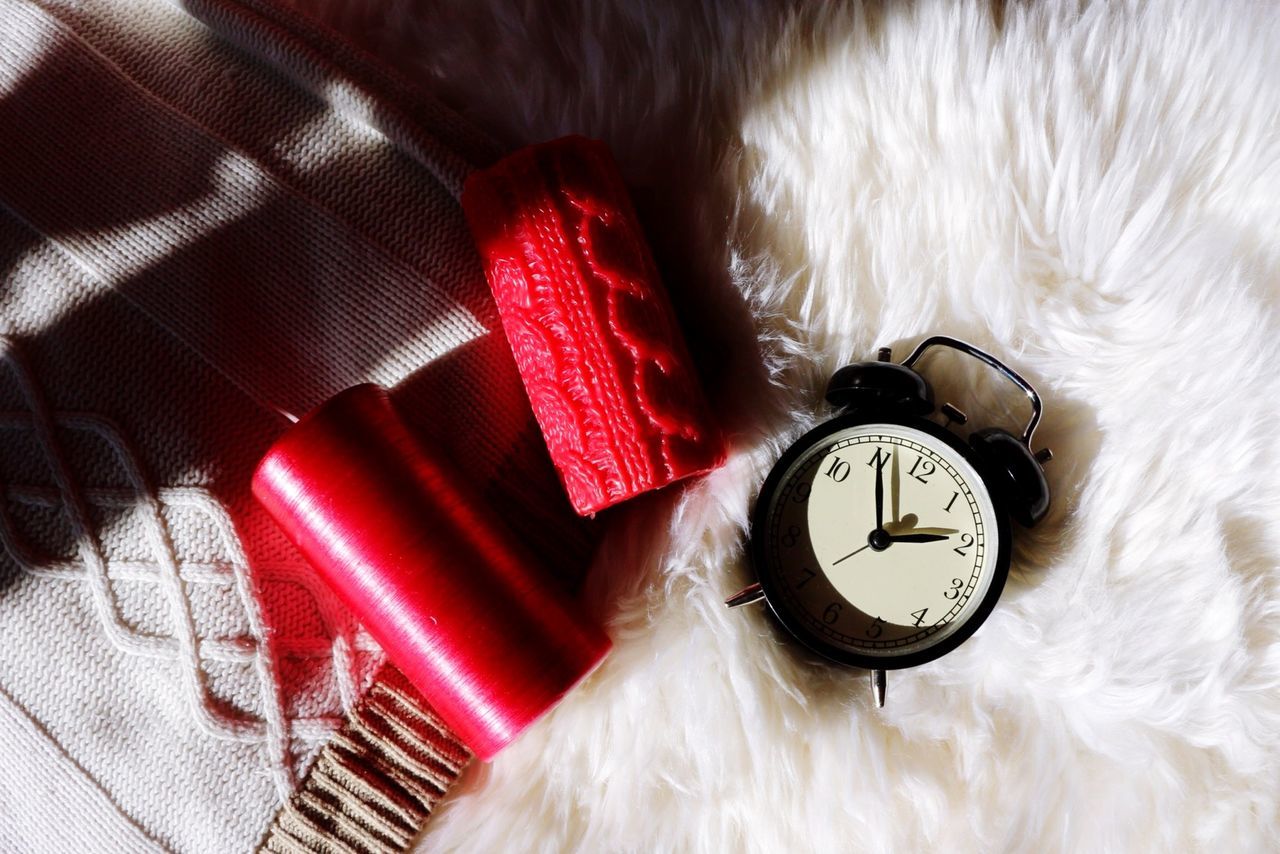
pixel 877 687
pixel 746 596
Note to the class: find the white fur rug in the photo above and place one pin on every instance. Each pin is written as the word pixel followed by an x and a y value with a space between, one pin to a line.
pixel 1089 190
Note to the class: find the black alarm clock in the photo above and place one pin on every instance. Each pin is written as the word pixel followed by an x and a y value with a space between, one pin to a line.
pixel 881 539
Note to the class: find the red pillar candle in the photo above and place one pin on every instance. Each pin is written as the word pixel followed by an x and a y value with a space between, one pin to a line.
pixel 489 638
pixel 592 328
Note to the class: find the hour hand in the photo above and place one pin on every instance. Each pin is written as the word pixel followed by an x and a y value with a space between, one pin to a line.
pixel 910 529
pixel 916 536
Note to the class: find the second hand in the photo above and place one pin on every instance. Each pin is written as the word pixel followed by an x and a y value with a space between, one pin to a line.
pixel 851 554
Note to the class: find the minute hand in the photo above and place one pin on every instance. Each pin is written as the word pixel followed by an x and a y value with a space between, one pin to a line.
pixel 880 497
pixel 916 538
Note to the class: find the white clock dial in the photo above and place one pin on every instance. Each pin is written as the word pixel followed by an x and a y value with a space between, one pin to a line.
pixel 888 577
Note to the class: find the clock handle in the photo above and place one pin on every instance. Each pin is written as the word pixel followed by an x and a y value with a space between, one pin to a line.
pixel 984 356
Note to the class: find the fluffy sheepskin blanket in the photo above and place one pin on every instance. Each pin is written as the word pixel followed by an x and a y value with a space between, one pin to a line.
pixel 1087 189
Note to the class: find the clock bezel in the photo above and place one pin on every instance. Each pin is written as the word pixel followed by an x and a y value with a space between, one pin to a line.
pixel 795 624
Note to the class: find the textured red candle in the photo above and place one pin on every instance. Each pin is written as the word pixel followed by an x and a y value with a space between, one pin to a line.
pixel 591 326
pixel 489 639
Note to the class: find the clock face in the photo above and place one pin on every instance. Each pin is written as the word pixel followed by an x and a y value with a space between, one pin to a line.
pixel 880 544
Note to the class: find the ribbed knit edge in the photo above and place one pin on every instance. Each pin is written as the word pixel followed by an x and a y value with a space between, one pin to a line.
pixel 376 781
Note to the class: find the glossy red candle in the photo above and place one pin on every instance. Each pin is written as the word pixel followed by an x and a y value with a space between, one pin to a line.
pixel 489 638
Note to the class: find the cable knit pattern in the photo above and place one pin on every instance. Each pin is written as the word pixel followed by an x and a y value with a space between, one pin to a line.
pixel 592 329
pixel 170 578
pixel 185 645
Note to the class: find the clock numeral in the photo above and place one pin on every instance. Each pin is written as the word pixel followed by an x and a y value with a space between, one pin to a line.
pixel 838 471
pixel 791 537
pixel 879 458
pixel 966 541
pixel 808 576
pixel 926 468
pixel 876 629
pixel 919 615
pixel 832 613
pixel 954 496
pixel 802 493
pixel 957 584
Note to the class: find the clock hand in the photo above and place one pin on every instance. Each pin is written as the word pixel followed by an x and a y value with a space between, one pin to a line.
pixel 916 538
pixel 910 529
pixel 880 497
pixel 851 554
pixel 895 487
